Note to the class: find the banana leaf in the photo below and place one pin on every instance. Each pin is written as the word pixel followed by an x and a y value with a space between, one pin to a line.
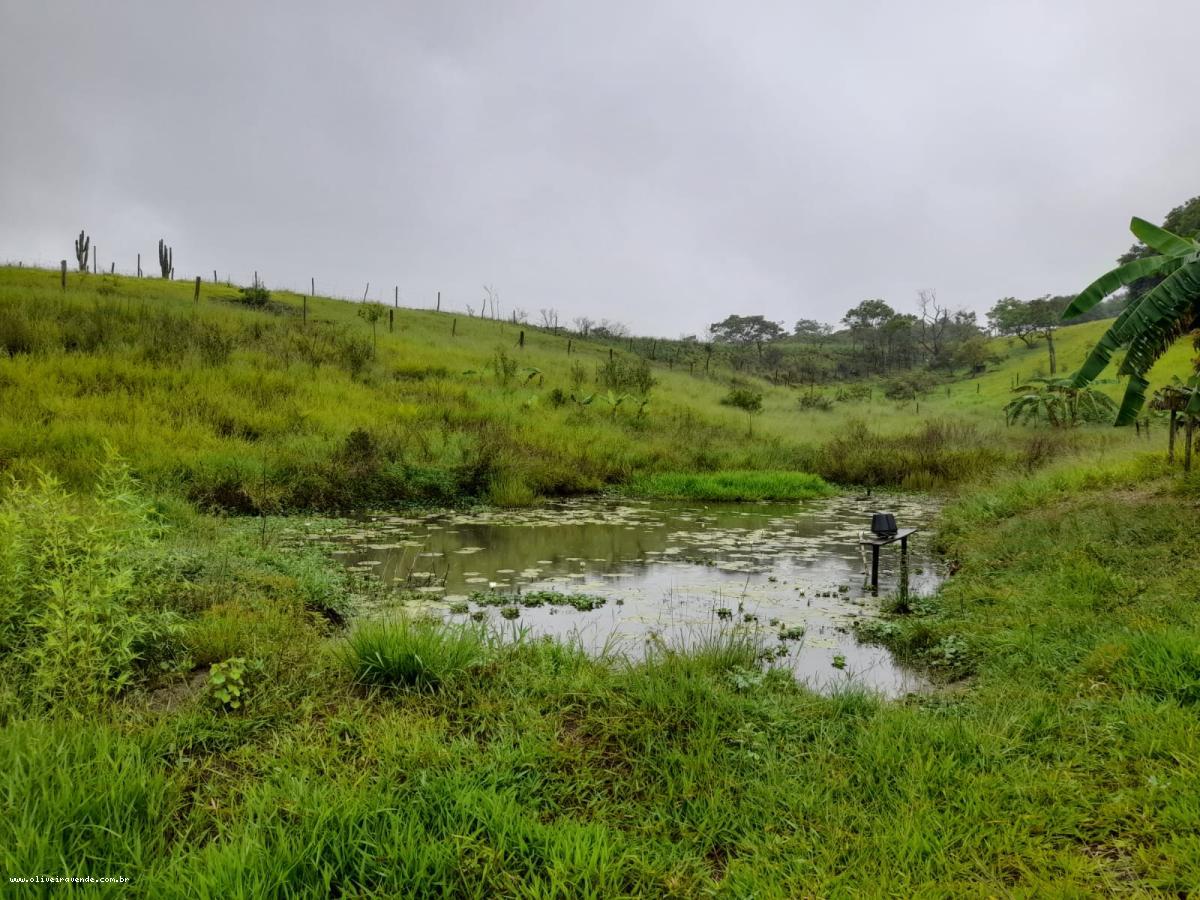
pixel 1193 406
pixel 1160 239
pixel 1135 396
pixel 1118 278
pixel 1146 324
pixel 1110 342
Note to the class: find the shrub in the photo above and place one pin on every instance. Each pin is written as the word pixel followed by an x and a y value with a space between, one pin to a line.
pixel 815 401
pixel 853 393
pixel 423 654
pixel 77 622
pixel 937 454
pixel 256 295
pixel 909 386
pixel 623 374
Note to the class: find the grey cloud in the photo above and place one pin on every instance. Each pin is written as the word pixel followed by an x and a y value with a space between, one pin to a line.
pixel 661 164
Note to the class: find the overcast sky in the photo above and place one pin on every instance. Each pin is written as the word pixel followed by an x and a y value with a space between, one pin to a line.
pixel 658 163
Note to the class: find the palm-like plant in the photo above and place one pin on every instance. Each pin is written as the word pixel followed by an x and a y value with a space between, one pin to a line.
pixel 1059 402
pixel 1151 323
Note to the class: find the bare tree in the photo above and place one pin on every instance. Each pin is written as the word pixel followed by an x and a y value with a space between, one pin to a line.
pixel 491 298
pixel 612 329
pixel 520 316
pixel 549 318
pixel 583 325
pixel 935 319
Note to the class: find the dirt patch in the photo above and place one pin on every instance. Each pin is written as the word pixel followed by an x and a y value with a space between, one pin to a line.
pixel 171 697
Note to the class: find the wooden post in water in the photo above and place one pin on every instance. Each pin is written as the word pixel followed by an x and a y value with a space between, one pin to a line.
pixel 196 298
pixel 64 274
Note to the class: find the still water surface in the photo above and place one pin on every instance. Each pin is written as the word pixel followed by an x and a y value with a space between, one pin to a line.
pixel 669 571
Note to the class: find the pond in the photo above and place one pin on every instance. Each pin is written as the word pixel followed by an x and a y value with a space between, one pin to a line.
pixel 652 570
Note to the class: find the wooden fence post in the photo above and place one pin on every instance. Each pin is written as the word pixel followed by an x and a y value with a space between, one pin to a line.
pixel 196 298
pixel 313 289
pixel 1188 432
pixel 391 320
pixel 64 274
pixel 453 327
pixel 568 339
pixel 139 265
pixel 521 339
pixel 439 302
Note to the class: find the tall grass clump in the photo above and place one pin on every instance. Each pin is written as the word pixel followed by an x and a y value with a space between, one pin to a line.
pixel 423 654
pixel 938 454
pixel 78 618
pixel 80 800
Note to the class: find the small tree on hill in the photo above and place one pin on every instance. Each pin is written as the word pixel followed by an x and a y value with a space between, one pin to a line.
pixel 748 401
pixel 373 313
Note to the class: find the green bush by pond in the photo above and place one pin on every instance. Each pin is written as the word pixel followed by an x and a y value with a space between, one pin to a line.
pixel 729 486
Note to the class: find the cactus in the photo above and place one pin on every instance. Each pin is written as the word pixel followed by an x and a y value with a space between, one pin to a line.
pixel 82 243
pixel 165 261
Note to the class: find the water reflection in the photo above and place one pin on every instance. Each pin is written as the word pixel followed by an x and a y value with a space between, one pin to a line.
pixel 666 569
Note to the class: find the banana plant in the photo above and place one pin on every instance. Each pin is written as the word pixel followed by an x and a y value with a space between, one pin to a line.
pixel 613 400
pixel 1150 324
pixel 1059 402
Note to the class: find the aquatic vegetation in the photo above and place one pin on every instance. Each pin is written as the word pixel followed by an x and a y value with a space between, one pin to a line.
pixel 582 602
pixel 792 633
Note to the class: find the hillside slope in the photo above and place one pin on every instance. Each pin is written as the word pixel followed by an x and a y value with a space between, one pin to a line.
pixel 258 409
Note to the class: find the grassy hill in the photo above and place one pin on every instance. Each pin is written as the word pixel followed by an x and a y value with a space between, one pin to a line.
pixel 267 409
pixel 1060 759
